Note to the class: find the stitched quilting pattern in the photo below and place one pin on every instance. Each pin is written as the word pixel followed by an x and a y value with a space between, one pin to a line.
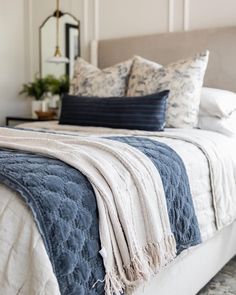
pixel 64 205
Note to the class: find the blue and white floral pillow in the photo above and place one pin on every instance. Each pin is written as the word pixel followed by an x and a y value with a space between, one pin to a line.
pixel 90 81
pixel 184 79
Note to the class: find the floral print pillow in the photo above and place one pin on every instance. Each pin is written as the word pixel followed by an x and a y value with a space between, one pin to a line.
pixel 184 79
pixel 90 81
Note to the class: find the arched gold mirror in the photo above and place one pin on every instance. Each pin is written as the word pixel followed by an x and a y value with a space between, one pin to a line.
pixel 59 44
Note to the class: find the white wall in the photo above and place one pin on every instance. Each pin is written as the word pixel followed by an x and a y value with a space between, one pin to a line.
pixel 136 17
pixel 13 53
pixel 132 17
pixel 211 13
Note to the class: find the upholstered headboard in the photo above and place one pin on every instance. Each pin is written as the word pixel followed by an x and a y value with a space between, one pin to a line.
pixel 169 47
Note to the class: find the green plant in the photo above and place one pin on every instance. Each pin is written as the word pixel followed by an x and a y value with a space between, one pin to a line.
pixel 58 85
pixel 64 84
pixel 48 84
pixel 36 88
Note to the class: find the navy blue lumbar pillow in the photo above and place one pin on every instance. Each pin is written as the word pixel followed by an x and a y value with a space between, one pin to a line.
pixel 139 113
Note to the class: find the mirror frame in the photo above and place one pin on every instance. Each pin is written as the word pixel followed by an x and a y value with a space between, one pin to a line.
pixel 40 38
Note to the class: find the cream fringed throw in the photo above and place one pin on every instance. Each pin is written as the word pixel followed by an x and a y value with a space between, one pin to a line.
pixel 134 227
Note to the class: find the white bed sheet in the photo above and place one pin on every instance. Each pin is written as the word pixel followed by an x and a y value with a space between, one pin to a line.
pixel 25 246
pixel 24 264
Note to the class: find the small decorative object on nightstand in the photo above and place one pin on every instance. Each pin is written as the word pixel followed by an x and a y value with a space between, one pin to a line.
pixel 49 115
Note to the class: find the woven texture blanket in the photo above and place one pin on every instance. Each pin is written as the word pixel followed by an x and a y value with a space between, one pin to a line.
pixel 134 228
pixel 183 221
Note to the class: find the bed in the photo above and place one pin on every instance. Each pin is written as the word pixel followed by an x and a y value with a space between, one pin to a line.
pixel 25 267
pixel 203 263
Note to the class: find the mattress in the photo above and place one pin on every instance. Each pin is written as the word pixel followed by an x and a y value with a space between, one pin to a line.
pixel 21 243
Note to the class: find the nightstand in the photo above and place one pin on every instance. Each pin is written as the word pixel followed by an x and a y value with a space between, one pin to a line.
pixel 24 119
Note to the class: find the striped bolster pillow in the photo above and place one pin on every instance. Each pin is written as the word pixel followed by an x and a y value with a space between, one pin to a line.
pixel 139 113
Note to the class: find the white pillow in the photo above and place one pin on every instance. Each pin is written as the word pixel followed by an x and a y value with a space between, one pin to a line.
pixel 226 125
pixel 217 102
pixel 183 78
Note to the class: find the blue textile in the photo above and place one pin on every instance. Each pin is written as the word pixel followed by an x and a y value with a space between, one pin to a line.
pixel 139 113
pixel 64 206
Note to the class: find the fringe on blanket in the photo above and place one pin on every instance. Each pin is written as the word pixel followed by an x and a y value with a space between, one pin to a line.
pixel 146 263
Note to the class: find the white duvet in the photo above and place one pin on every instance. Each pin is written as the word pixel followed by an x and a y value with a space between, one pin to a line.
pixel 210 162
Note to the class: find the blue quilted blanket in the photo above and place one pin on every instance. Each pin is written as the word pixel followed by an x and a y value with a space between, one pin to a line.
pixel 64 206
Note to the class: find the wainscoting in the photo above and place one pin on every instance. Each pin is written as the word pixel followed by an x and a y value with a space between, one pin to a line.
pixel 105 19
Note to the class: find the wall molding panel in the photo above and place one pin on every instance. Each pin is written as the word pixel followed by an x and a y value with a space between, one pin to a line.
pixel 91 28
pixel 186 14
pixel 84 26
pixel 96 20
pixel 29 52
pixel 96 34
pixel 171 15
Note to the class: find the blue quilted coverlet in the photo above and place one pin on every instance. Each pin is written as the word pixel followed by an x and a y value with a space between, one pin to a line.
pixel 64 207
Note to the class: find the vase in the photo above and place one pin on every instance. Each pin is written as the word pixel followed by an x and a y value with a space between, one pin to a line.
pixel 54 101
pixel 45 103
pixel 36 105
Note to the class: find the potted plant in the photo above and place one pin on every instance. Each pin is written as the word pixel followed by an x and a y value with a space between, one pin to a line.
pixel 36 90
pixel 46 92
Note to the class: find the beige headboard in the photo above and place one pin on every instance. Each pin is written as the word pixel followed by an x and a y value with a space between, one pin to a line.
pixel 169 47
